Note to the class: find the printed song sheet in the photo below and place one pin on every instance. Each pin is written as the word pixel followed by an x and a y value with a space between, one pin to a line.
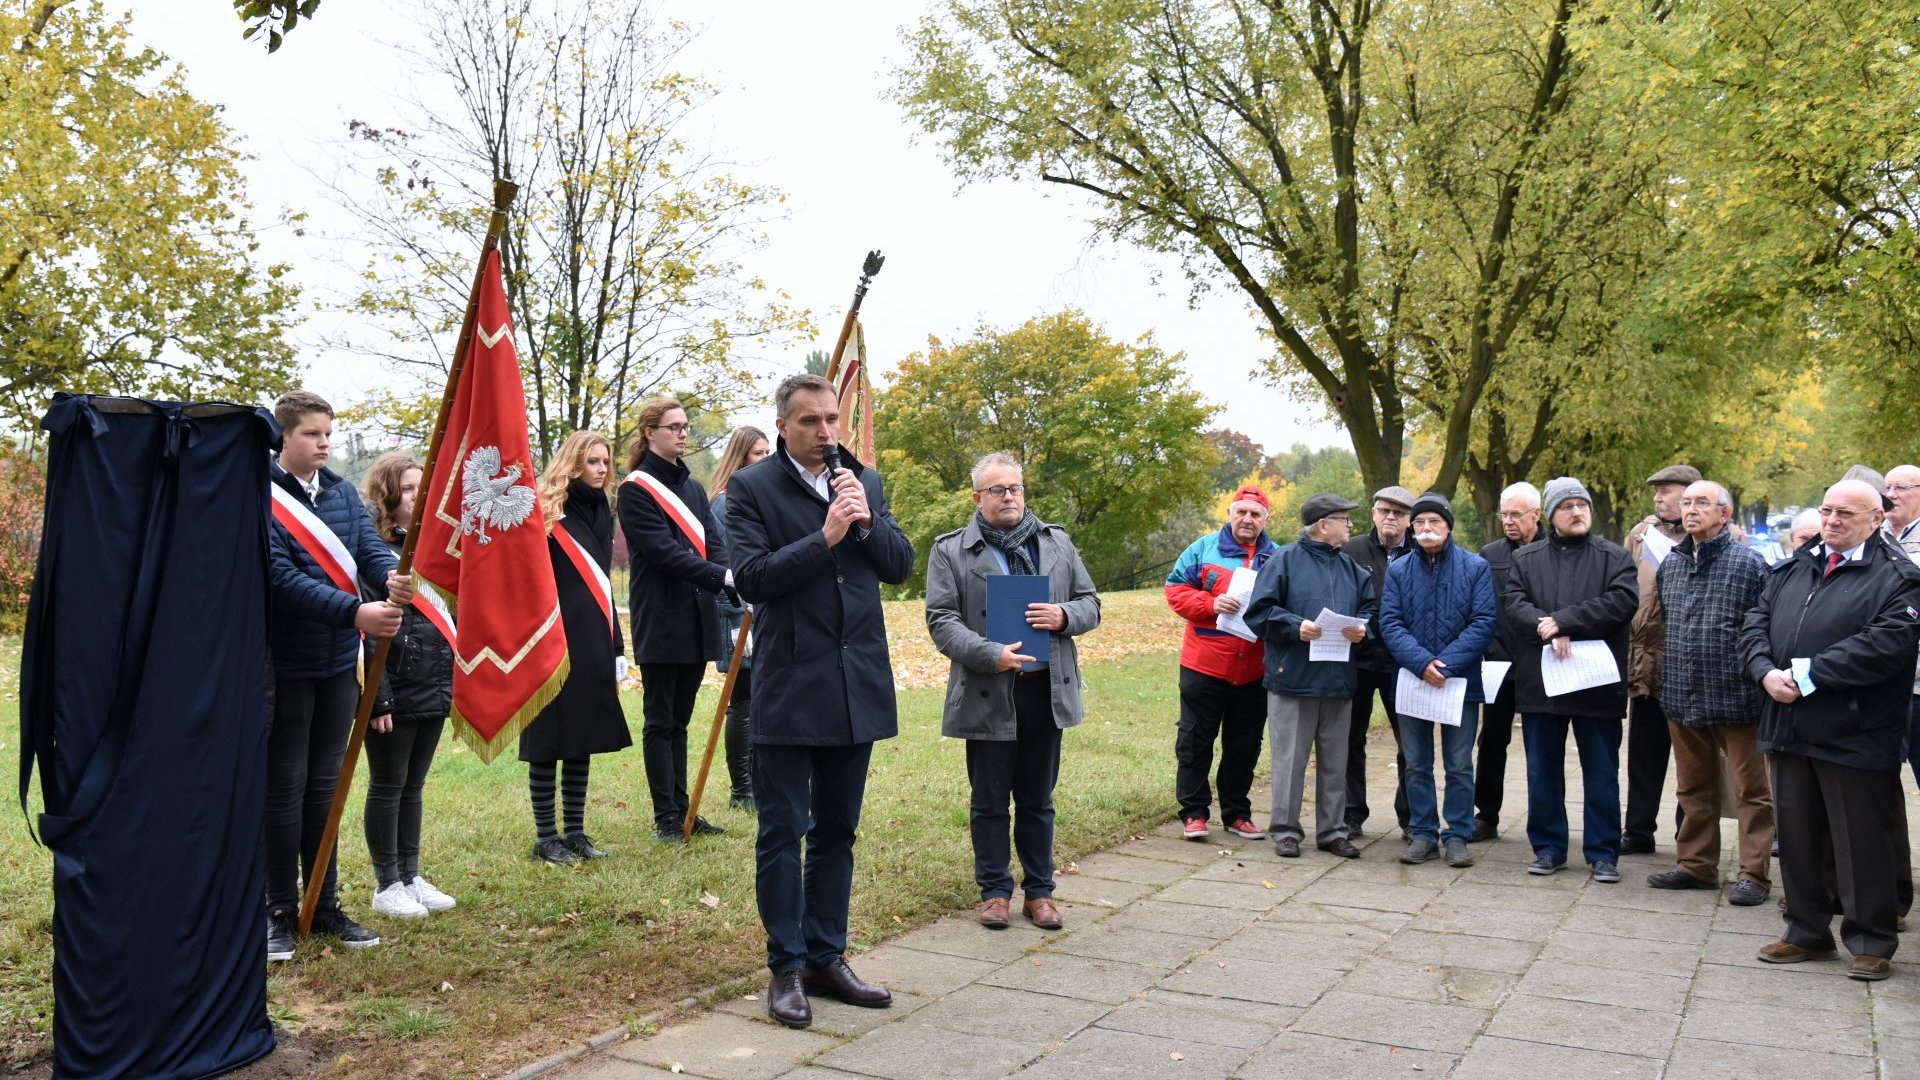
pixel 1332 644
pixel 1240 587
pixel 1440 704
pixel 1654 546
pixel 1590 665
pixel 1492 674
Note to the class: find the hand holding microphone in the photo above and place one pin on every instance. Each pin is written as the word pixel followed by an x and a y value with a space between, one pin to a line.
pixel 846 498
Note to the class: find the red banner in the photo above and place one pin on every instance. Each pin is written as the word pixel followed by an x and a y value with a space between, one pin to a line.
pixel 484 544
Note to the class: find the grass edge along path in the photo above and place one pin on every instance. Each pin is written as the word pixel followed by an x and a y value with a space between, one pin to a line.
pixel 537 959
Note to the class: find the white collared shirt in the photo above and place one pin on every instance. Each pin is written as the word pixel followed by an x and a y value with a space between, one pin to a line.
pixel 819 481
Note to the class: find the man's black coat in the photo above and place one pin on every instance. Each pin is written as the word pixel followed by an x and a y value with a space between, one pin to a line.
pixel 1587 584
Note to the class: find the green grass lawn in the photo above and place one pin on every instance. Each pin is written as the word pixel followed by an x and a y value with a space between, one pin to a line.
pixel 536 957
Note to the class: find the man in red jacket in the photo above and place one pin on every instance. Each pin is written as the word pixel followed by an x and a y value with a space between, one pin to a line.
pixel 1220 672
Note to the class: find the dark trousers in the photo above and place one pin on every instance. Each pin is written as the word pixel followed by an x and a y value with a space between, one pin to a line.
pixel 810 793
pixel 739 736
pixel 1649 745
pixel 306 742
pixel 1212 707
pixel 397 764
pixel 1025 769
pixel 1598 740
pixel 1490 773
pixel 1838 841
pixel 1368 684
pixel 667 692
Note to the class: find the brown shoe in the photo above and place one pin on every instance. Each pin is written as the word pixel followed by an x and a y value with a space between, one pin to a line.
pixel 787 1000
pixel 993 913
pixel 1041 912
pixel 1869 968
pixel 836 980
pixel 1786 952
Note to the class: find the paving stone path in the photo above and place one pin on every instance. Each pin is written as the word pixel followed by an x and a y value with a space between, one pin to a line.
pixel 1213 960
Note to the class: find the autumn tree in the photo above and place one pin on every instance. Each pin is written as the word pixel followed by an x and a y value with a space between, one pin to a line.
pixel 1239 455
pixel 1408 195
pixel 622 258
pixel 127 259
pixel 1109 434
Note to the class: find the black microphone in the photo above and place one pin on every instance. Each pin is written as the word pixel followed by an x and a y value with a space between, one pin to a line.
pixel 831 455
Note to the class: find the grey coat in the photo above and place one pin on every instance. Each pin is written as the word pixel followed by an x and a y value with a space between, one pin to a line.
pixel 980 698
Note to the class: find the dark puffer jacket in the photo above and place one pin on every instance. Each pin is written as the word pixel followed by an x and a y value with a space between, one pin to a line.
pixel 1440 607
pixel 418 681
pixel 313 636
pixel 1299 580
pixel 1858 626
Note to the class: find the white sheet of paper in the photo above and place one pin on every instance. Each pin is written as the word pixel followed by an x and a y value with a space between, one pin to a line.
pixel 1332 644
pixel 1492 674
pixel 1590 665
pixel 1240 587
pixel 1440 704
pixel 1654 545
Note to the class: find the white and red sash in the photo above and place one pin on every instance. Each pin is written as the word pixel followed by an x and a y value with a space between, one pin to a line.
pixel 318 541
pixel 587 567
pixel 428 602
pixel 675 510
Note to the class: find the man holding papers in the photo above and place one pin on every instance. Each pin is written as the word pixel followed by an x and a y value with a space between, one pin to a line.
pixel 1307 699
pixel 1706 587
pixel 1437 618
pixel 1007 705
pixel 1220 692
pixel 1831 644
pixel 1571 588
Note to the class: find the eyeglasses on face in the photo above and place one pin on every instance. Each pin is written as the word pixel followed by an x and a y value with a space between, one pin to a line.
pixel 1001 491
pixel 1903 487
pixel 677 429
pixel 1516 515
pixel 1840 512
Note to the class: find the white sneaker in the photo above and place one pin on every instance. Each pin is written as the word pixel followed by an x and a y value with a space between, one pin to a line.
pixel 396 901
pixel 427 896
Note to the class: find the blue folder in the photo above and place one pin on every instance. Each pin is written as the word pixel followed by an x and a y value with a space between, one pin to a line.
pixel 1007 598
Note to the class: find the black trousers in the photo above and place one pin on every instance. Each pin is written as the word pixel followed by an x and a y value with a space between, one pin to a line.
pixel 1211 707
pixel 1649 747
pixel 397 764
pixel 1025 769
pixel 306 743
pixel 1838 842
pixel 667 693
pixel 811 794
pixel 1490 771
pixel 1368 684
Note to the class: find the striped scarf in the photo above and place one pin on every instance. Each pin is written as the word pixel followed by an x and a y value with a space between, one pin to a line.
pixel 1013 542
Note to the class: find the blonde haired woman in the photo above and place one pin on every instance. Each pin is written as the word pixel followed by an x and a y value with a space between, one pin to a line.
pixel 746 446
pixel 585 718
pixel 679 566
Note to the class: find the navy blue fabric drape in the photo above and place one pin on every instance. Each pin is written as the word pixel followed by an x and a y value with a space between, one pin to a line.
pixel 144 700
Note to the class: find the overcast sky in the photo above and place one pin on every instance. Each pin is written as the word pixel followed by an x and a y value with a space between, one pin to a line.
pixel 802 106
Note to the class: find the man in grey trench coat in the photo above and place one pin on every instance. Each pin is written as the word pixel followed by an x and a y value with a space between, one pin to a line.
pixel 1011 718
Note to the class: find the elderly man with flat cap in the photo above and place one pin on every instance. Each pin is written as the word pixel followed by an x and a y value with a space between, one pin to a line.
pixel 1648 743
pixel 1307 699
pixel 1376 549
pixel 1831 644
pixel 1220 691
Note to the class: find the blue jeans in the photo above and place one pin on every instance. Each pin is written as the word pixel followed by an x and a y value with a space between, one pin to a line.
pixel 1456 753
pixel 1598 741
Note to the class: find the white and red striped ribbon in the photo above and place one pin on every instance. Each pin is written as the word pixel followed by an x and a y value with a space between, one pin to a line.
pixel 675 509
pixel 316 540
pixel 428 602
pixel 588 568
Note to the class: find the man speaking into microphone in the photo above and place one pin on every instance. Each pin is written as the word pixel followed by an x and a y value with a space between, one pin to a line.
pixel 813 540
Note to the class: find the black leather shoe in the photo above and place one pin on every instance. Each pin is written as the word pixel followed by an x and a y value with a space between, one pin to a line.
pixel 787 1000
pixel 1747 893
pixel 836 980
pixel 1677 878
pixel 582 845
pixel 703 827
pixel 1355 831
pixel 1483 831
pixel 554 850
pixel 1287 847
pixel 1342 847
pixel 1636 845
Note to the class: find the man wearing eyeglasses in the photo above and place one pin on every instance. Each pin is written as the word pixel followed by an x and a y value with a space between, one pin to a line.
pixel 1648 744
pixel 1831 644
pixel 1519 526
pixel 1309 700
pixel 1010 715
pixel 1375 550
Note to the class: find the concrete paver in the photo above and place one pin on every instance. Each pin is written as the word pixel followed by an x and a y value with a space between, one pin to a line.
pixel 1220 960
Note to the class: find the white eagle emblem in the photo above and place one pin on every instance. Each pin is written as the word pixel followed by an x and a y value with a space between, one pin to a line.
pixel 490 496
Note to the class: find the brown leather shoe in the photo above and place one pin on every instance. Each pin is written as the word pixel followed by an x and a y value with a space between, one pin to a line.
pixel 993 913
pixel 787 1000
pixel 1786 952
pixel 1041 912
pixel 836 980
pixel 1869 968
